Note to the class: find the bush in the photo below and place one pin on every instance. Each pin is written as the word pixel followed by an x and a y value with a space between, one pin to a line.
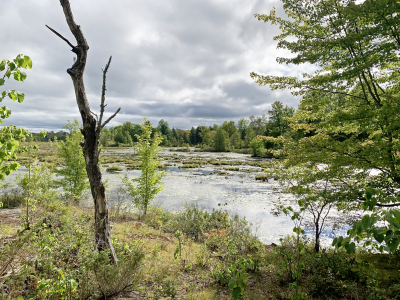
pixel 256 146
pixel 193 222
pixel 12 199
pixel 60 262
pixel 41 183
pixel 114 279
pixel 157 217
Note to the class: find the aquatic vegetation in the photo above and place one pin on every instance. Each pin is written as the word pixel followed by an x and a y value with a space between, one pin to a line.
pixel 114 169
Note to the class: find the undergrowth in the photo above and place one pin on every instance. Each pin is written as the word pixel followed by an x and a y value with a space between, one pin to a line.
pixel 189 255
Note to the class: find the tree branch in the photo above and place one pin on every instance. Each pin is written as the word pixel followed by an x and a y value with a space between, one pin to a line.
pixel 60 36
pixel 103 93
pixel 110 118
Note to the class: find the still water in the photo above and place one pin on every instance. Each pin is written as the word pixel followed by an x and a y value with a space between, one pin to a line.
pixel 238 191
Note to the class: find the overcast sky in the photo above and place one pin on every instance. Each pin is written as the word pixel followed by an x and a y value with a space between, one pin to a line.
pixel 185 61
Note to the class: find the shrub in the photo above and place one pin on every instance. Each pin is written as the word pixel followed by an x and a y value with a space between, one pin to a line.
pixel 12 198
pixel 256 146
pixel 193 222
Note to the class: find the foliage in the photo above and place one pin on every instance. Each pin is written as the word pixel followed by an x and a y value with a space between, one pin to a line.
pixel 65 265
pixel 256 146
pixel 41 183
pixel 10 134
pixel 382 236
pixel 74 180
pixel 347 106
pixel 194 222
pixel 149 184
pixel 279 119
pixel 219 141
pixel 12 198
pixel 236 276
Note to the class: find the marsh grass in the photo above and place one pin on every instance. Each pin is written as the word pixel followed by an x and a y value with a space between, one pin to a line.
pixel 114 169
pixel 193 254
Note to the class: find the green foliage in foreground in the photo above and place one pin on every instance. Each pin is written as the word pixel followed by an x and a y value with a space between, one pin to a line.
pixel 57 260
pixel 348 116
pixel 73 176
pixel 66 265
pixel 10 134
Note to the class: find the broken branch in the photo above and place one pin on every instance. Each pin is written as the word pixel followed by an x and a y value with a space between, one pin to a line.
pixel 110 118
pixel 59 35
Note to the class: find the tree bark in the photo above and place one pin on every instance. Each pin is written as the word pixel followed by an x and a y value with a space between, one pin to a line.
pixel 91 132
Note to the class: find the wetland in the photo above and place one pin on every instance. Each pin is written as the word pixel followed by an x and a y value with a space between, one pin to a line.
pixel 210 180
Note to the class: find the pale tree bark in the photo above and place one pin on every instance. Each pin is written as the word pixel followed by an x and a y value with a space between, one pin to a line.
pixel 91 131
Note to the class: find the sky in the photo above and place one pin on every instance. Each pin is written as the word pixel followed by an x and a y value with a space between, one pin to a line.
pixel 187 62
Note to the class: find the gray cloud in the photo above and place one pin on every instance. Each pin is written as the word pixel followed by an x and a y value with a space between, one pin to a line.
pixel 185 61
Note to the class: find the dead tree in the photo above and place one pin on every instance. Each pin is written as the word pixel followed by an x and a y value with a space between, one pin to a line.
pixel 91 131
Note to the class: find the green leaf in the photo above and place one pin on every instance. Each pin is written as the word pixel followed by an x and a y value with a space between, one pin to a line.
pixel 22 76
pixel 2 81
pixel 12 66
pixel 14 166
pixel 393 244
pixel 21 97
pixel 379 237
pixel 3 64
pixel 20 62
pixel 28 62
pixel 13 95
pixel 236 292
pixel 350 247
pixel 232 283
pixel 17 75
pixel 368 193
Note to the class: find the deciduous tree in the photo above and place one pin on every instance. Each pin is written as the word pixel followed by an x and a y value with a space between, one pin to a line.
pixel 350 102
pixel 73 176
pixel 149 184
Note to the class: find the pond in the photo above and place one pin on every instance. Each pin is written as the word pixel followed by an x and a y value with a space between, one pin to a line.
pixel 238 192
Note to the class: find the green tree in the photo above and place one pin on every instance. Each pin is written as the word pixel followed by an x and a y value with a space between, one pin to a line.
pixel 278 123
pixel 350 102
pixel 249 136
pixel 149 184
pixel 165 131
pixel 229 127
pixel 105 137
pixel 72 175
pixel 258 124
pixel 220 140
pixel 242 125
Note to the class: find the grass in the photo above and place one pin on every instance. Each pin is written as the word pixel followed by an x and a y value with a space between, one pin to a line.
pixel 233 169
pixel 195 161
pixel 114 169
pixel 152 265
pixel 189 255
pixel 262 177
pixel 187 166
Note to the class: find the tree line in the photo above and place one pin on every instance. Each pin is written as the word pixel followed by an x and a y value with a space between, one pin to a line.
pixel 224 137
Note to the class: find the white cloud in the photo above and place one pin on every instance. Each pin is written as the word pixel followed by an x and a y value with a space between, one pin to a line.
pixel 185 61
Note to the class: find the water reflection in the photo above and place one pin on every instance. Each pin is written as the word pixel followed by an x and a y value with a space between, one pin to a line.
pixel 243 195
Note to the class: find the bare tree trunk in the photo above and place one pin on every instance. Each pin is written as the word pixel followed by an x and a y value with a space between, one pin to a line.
pixel 91 132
